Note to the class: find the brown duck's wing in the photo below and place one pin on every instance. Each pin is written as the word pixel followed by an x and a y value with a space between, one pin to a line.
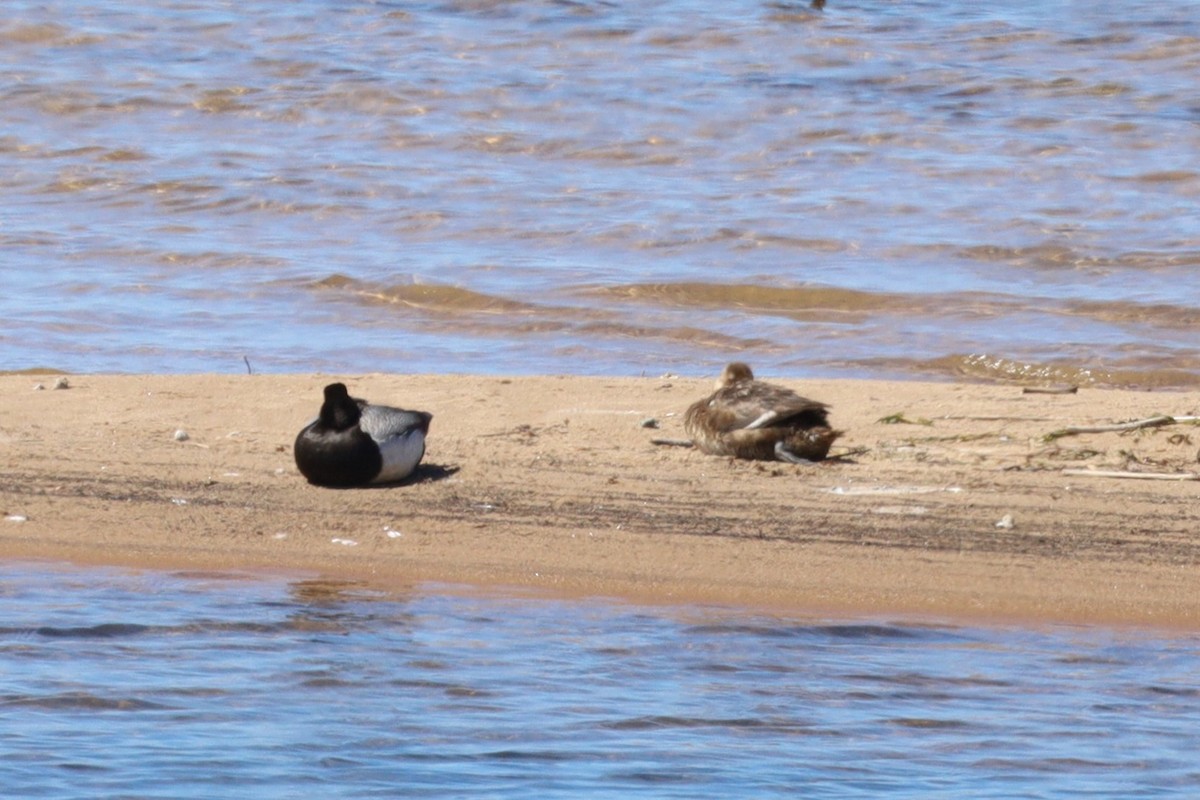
pixel 754 404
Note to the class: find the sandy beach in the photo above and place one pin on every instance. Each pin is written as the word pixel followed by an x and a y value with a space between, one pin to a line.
pixel 954 500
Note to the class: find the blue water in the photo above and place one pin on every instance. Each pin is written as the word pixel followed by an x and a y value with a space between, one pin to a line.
pixel 180 685
pixel 594 188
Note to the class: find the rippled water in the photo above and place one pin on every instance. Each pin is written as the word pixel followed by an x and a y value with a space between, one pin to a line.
pixel 886 189
pixel 178 685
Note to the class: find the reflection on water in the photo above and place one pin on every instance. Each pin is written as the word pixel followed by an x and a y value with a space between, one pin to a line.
pixel 602 188
pixel 166 685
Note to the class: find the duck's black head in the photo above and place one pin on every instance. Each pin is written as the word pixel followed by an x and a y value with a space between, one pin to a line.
pixel 340 411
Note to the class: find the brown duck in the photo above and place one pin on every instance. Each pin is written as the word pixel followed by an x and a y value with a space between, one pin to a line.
pixel 747 418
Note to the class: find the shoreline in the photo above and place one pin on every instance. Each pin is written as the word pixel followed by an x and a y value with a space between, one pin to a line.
pixel 552 484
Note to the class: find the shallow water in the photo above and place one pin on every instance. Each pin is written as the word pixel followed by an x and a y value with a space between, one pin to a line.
pixel 169 685
pixel 881 189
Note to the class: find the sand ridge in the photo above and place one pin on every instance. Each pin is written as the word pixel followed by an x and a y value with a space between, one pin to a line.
pixel 955 499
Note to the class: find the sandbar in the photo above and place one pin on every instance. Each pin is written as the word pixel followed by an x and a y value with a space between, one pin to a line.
pixel 968 501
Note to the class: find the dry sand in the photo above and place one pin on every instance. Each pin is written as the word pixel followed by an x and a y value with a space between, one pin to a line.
pixel 553 483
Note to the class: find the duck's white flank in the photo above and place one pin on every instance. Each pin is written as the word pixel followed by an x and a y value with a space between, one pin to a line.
pixel 400 437
pixel 400 456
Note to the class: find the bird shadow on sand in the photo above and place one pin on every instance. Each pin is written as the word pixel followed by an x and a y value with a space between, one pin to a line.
pixel 424 473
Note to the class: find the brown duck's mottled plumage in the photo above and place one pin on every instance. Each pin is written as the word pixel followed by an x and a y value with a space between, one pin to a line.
pixel 747 418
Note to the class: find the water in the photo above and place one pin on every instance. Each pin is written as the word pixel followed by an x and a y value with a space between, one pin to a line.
pixel 881 189
pixel 164 685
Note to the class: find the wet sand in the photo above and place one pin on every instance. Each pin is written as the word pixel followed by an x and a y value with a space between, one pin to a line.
pixel 952 502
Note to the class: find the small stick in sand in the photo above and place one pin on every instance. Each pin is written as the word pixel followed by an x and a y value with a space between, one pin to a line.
pixel 674 442
pixel 1145 476
pixel 849 454
pixel 1050 390
pixel 1150 422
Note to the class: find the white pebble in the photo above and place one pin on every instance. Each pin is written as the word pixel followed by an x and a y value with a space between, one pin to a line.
pixel 16 518
pixel 347 542
pixel 392 534
pixel 181 435
pixel 1006 522
pixel 62 383
pixel 280 536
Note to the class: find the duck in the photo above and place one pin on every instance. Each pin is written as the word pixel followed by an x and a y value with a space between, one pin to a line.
pixel 356 443
pixel 752 419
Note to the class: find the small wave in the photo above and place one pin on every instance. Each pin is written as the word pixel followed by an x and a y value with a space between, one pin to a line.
pixel 224 101
pixel 472 312
pixel 1166 176
pixel 848 631
pixel 694 336
pixel 34 371
pixel 634 153
pixel 1057 255
pixel 1167 50
pixel 81 701
pixel 808 303
pixel 444 298
pixel 804 302
pixel 981 366
pixel 1000 369
pixel 124 154
pixel 1159 314
pixel 1071 87
pixel 661 722
pixel 107 630
pixel 927 723
pixel 529 755
pixel 830 304
pixel 45 34
pixel 1039 255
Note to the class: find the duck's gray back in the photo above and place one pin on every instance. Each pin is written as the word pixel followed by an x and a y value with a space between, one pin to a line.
pixel 383 422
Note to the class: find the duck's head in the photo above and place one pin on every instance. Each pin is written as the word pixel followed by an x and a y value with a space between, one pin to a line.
pixel 340 411
pixel 734 372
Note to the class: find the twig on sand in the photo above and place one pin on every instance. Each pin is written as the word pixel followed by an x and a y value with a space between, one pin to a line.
pixel 851 453
pixel 1145 476
pixel 1149 422
pixel 674 442
pixel 1050 390
pixel 995 418
pixel 899 419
